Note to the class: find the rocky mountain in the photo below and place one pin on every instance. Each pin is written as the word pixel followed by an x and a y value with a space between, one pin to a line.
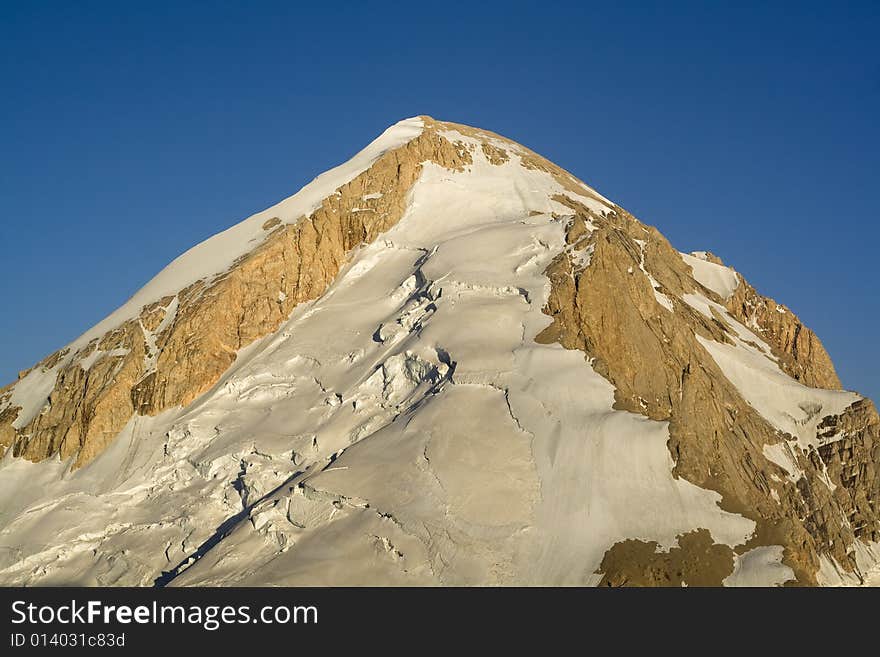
pixel 446 361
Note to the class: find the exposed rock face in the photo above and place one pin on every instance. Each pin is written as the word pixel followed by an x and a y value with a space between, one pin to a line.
pixel 801 465
pixel 696 562
pixel 800 351
pixel 850 451
pixel 643 338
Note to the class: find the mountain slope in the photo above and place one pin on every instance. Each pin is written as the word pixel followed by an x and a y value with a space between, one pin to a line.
pixel 445 362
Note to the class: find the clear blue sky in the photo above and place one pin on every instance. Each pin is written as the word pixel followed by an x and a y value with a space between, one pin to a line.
pixel 130 131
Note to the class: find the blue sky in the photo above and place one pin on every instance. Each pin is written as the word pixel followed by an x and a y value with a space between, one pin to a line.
pixel 131 131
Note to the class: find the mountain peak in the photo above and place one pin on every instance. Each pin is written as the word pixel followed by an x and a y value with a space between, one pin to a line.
pixel 453 362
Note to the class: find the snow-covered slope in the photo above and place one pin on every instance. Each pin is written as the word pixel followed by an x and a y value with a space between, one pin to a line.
pixel 413 424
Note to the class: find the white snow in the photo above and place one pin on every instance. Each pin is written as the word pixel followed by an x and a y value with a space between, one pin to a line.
pixel 746 337
pixel 718 278
pixel 152 352
pixel 87 361
pixel 831 573
pixel 788 405
pixel 760 566
pixel 781 454
pixel 594 200
pixel 31 394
